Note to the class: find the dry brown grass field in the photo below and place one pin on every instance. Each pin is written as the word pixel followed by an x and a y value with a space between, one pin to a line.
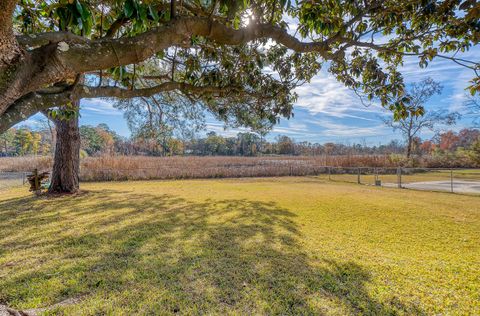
pixel 142 168
pixel 341 168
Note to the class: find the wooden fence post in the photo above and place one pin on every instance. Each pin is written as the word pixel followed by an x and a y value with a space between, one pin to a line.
pixel 451 180
pixel 399 177
pixel 35 174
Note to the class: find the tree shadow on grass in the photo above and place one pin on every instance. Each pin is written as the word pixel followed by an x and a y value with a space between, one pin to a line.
pixel 151 254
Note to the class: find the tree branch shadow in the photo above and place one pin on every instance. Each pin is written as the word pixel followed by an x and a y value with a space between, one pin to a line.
pixel 164 254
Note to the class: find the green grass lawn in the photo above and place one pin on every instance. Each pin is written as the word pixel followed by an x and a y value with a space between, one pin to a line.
pixel 241 246
pixel 10 183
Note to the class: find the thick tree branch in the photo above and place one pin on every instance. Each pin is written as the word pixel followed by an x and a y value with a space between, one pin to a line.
pixel 9 49
pixel 42 39
pixel 116 25
pixel 45 99
pixel 29 105
pixel 105 53
pixel 67 55
pixel 63 55
pixel 33 71
pixel 140 76
pixel 121 93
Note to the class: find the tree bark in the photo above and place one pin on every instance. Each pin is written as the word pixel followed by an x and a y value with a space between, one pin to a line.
pixel 9 48
pixel 65 172
pixel 409 147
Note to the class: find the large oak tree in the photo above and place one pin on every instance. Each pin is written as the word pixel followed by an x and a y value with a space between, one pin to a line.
pixel 239 58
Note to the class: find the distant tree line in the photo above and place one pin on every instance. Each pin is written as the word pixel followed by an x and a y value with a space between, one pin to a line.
pixel 452 148
pixel 252 144
pixel 101 140
pixel 446 147
pixel 23 141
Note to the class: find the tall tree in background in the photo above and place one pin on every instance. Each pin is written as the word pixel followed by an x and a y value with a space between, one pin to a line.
pixel 248 143
pixel 23 141
pixel 285 144
pixel 411 126
pixel 36 140
pixel 215 144
pixel 474 152
pixel 160 118
pixel 216 52
pixel 99 140
pixel 6 140
pixel 473 106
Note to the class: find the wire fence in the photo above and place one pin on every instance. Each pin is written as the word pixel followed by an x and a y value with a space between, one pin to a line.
pixel 431 179
pixel 12 179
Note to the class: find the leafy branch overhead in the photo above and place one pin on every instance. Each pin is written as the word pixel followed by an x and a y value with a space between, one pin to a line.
pixel 240 59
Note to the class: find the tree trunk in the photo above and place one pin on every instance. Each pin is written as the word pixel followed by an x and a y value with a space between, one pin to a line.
pixel 409 147
pixel 67 157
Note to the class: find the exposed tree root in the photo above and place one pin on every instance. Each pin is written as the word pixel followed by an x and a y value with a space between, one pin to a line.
pixel 7 311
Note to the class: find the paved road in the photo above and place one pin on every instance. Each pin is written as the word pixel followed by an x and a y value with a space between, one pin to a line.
pixel 460 186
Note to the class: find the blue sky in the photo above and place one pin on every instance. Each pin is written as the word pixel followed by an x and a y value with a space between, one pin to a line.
pixel 326 111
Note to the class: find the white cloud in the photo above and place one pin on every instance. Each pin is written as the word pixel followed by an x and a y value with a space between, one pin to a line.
pixel 220 129
pixel 33 122
pixel 324 94
pixel 99 106
pixel 297 126
pixel 330 128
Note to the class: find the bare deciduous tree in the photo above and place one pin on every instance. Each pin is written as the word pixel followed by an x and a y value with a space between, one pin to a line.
pixel 411 126
pixel 473 108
